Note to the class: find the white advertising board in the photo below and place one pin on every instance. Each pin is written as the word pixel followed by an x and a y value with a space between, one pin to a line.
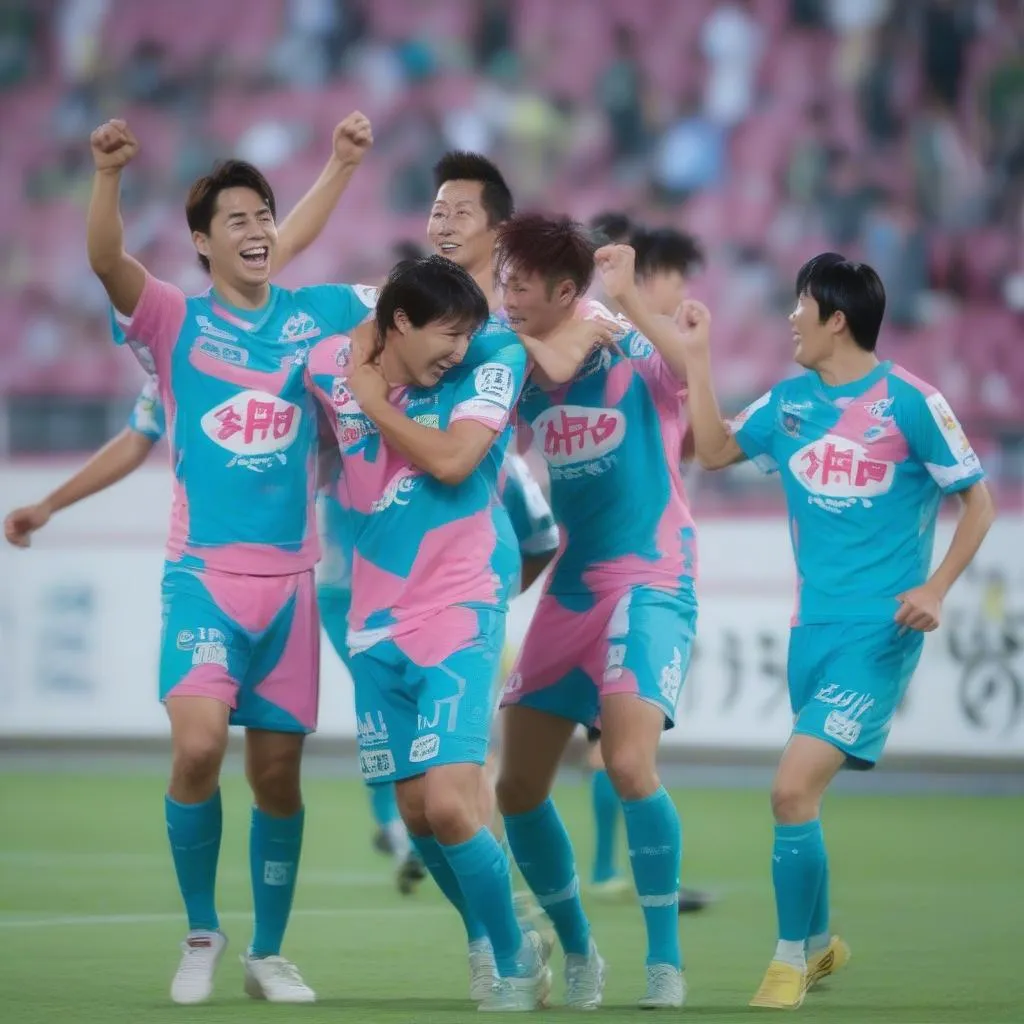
pixel 80 623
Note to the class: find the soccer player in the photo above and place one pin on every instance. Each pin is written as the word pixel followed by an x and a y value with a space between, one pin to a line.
pixel 113 462
pixel 865 453
pixel 665 261
pixel 241 636
pixel 421 439
pixel 613 631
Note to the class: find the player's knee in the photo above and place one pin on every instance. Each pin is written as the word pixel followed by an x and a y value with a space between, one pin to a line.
pixel 276 785
pixel 410 796
pixel 793 802
pixel 632 771
pixel 517 792
pixel 451 815
pixel 195 766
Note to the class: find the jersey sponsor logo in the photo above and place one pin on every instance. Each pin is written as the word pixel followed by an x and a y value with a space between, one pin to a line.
pixel 496 383
pixel 880 409
pixel 570 434
pixel 376 764
pixel 428 419
pixel 372 731
pixel 353 431
pixel 425 748
pixel 211 330
pixel 256 427
pixel 953 434
pixel 670 682
pixel 837 468
pixel 298 327
pixel 398 490
pixel 222 351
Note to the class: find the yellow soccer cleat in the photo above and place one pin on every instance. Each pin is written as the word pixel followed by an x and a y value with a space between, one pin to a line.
pixel 783 987
pixel 820 965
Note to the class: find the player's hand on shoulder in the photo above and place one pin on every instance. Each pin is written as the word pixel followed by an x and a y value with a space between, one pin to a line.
pixel 23 522
pixel 113 145
pixel 920 609
pixel 353 137
pixel 560 357
pixel 367 383
pixel 616 265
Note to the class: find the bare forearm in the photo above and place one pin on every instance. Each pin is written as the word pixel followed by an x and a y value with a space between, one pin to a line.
pixel 311 213
pixel 533 569
pixel 713 443
pixel 427 448
pixel 659 331
pixel 113 462
pixel 978 516
pixel 104 227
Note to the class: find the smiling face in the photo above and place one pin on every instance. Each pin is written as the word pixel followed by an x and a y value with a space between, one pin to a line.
pixel 535 308
pixel 458 227
pixel 241 240
pixel 815 341
pixel 427 353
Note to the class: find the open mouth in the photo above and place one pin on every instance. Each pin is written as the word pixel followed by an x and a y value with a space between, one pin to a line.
pixel 447 248
pixel 516 322
pixel 256 257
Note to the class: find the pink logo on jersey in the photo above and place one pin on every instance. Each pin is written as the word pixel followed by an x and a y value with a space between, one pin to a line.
pixel 572 433
pixel 253 425
pixel 398 490
pixel 836 467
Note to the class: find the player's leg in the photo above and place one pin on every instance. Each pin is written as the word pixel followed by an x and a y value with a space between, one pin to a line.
pixel 649 640
pixel 203 654
pixel 604 878
pixel 390 836
pixel 278 706
pixel 455 712
pixel 546 697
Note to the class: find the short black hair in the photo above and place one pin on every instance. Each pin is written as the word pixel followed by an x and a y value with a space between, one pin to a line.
pixel 407 250
pixel 202 196
pixel 665 249
pixel 430 290
pixel 495 195
pixel 556 248
pixel 853 289
pixel 612 227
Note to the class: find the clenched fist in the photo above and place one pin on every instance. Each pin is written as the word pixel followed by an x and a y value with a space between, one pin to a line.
pixel 113 146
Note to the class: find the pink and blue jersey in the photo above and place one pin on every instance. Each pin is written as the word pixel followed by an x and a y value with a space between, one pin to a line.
pixel 420 546
pixel 241 422
pixel 611 439
pixel 527 508
pixel 864 467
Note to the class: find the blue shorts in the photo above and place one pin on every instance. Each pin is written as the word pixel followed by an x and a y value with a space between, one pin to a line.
pixel 334 603
pixel 251 642
pixel 634 641
pixel 846 680
pixel 426 699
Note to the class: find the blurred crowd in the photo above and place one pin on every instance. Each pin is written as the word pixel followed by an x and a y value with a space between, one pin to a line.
pixel 891 130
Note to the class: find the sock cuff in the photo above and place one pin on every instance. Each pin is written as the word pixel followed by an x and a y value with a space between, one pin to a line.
pixel 527 817
pixel 661 793
pixel 293 823
pixel 803 830
pixel 426 846
pixel 213 801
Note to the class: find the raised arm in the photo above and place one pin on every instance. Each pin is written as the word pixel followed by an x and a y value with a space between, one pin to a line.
pixel 113 462
pixel 113 147
pixel 352 139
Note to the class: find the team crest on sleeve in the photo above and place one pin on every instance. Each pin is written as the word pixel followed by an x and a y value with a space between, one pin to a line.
pixel 640 347
pixel 495 382
pixel 952 433
pixel 366 294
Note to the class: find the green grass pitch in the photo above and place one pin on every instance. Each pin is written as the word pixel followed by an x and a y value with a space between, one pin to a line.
pixel 928 890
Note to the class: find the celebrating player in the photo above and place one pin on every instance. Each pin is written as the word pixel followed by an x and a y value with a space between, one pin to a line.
pixel 865 452
pixel 613 631
pixel 434 563
pixel 241 637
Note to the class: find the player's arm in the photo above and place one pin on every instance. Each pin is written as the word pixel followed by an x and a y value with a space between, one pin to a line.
pixel 353 138
pixel 617 266
pixel 556 361
pixel 113 147
pixel 938 441
pixel 113 462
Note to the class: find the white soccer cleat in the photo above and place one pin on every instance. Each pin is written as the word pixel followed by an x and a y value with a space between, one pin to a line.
pixel 522 995
pixel 666 988
pixel 482 971
pixel 276 980
pixel 584 979
pixel 200 953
